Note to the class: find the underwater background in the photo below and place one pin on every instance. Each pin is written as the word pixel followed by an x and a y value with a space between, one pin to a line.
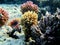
pixel 14 10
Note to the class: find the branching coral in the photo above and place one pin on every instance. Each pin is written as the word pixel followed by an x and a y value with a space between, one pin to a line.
pixel 3 16
pixel 50 27
pixel 48 21
pixel 29 18
pixel 29 6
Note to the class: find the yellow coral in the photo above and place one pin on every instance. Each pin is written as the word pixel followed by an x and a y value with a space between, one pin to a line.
pixel 29 17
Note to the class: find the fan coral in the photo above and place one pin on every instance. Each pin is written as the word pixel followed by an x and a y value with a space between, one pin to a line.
pixel 3 16
pixel 29 18
pixel 29 6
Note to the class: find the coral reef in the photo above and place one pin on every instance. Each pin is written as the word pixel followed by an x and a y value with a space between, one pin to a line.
pixel 5 39
pixel 29 6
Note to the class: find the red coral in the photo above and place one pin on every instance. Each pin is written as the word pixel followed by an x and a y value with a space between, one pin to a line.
pixel 29 6
pixel 3 16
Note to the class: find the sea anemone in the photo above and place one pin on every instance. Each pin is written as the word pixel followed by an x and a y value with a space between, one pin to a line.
pixel 29 6
pixel 3 16
pixel 29 18
pixel 14 22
